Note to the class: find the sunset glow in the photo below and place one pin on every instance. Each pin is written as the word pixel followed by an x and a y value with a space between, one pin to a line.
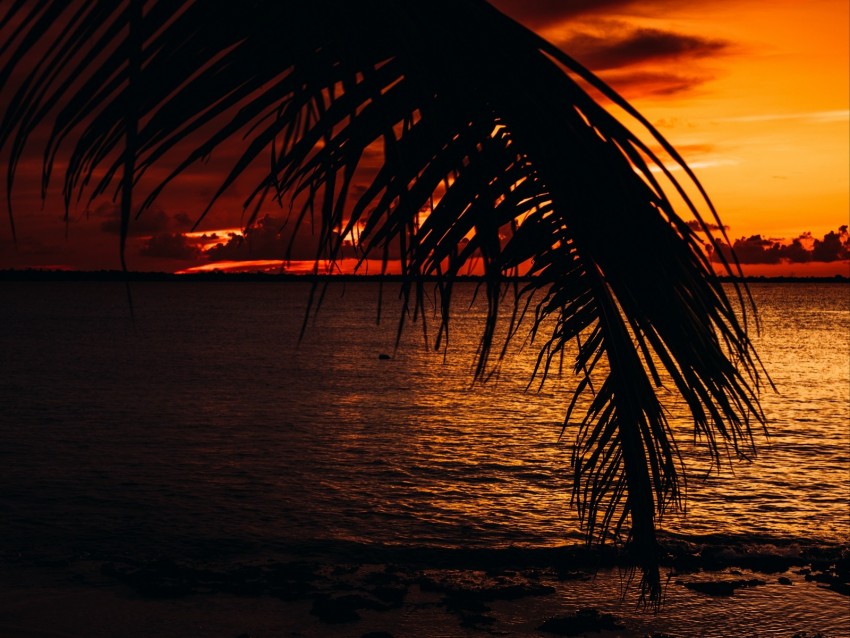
pixel 754 98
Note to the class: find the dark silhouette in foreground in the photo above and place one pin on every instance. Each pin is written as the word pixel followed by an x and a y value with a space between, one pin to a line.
pixel 491 150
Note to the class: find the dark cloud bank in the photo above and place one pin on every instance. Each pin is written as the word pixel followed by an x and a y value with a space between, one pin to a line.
pixel 835 246
pixel 273 238
pixel 149 223
pixel 636 60
pixel 172 246
pixel 637 46
pixel 269 238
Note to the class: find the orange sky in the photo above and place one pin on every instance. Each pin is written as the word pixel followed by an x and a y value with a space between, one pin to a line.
pixel 754 94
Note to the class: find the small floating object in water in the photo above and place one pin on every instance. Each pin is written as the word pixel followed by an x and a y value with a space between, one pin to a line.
pixel 384 356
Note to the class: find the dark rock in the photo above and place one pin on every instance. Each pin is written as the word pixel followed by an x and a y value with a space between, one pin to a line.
pixel 344 570
pixel 515 591
pixel 569 574
pixel 334 611
pixel 291 581
pixel 499 588
pixel 290 591
pixel 298 570
pixel 722 587
pixel 686 563
pixel 248 572
pixel 244 581
pixel 151 584
pixel 429 584
pixel 160 579
pixel 476 621
pixel 390 594
pixel 766 563
pixel 465 603
pixel 389 576
pixel 834 572
pixel 784 580
pixel 579 623
pixel 841 588
pixel 343 609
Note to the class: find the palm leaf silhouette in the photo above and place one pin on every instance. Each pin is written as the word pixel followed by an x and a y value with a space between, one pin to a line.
pixel 490 149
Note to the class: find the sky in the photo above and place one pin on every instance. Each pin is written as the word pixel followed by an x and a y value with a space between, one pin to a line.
pixel 754 95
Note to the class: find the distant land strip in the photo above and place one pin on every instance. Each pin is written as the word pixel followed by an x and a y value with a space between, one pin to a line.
pixel 35 274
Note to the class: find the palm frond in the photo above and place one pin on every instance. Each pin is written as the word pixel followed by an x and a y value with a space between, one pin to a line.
pixel 490 150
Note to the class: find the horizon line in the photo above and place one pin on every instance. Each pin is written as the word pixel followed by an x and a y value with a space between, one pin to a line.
pixel 106 275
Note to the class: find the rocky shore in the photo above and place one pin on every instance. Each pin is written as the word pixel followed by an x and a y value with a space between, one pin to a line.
pixel 383 593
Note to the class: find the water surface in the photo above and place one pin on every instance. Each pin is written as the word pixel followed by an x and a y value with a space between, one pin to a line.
pixel 205 428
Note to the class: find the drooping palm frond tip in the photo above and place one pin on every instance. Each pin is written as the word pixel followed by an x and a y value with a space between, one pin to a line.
pixel 489 149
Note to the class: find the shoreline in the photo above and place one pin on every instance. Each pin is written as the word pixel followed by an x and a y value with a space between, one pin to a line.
pixel 386 593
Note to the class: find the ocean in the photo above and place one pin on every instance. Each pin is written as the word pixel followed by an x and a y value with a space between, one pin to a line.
pixel 205 430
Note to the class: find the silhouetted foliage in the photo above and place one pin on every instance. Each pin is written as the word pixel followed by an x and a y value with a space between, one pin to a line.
pixel 490 149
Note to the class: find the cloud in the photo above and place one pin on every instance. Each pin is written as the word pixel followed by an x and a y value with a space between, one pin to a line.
pixel 835 246
pixel 612 50
pixel 809 117
pixel 171 246
pixel 182 220
pixel 270 238
pixel 696 226
pixel 660 83
pixel 640 60
pixel 150 222
pixel 689 150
